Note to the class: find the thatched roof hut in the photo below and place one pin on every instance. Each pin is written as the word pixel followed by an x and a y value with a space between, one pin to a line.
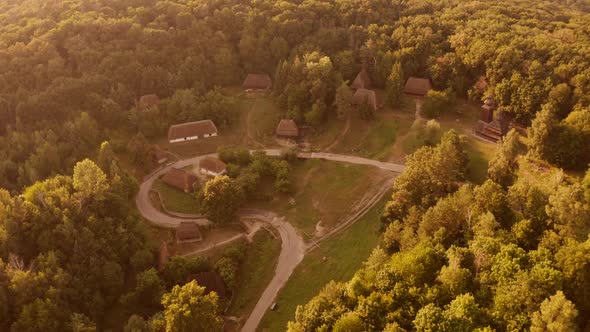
pixel 257 82
pixel 287 128
pixel 417 87
pixel 362 80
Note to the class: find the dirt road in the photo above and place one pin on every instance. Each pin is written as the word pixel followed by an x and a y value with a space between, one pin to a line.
pixel 293 247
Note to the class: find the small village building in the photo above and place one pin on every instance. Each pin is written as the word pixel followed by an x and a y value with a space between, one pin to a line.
pixel 212 166
pixel 180 179
pixel 191 131
pixel 417 87
pixel 362 80
pixel 159 156
pixel 257 82
pixel 187 232
pixel 362 95
pixel 148 103
pixel 287 128
pixel 212 282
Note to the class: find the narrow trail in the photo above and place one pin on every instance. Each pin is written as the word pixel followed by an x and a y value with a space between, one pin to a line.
pixel 341 135
pixel 293 247
pixel 248 129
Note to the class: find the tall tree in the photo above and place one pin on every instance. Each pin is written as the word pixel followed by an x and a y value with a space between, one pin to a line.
pixel 188 309
pixel 556 314
pixel 395 85
pixel 221 198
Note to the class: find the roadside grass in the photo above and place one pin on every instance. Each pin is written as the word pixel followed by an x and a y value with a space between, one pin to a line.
pixel 479 154
pixel 344 253
pixel 323 191
pixel 264 118
pixel 256 272
pixel 175 200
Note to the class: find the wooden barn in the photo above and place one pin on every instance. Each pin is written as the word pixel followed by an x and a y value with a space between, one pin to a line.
pixel 417 87
pixel 187 232
pixel 180 179
pixel 361 81
pixel 191 131
pixel 287 128
pixel 212 166
pixel 257 82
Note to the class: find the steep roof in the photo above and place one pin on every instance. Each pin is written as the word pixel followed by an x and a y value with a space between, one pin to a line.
pixel 148 102
pixel 212 282
pixel 287 128
pixel 212 164
pixel 362 80
pixel 189 129
pixel 257 82
pixel 416 86
pixel 180 179
pixel 188 231
pixel 361 94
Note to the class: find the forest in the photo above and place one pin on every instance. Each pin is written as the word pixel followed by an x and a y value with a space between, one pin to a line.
pixel 510 254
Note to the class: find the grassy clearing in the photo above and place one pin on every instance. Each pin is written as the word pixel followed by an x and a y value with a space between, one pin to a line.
pixel 323 191
pixel 176 200
pixel 344 254
pixel 255 273
pixel 264 118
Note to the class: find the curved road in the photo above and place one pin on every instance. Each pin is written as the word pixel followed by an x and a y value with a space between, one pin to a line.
pixel 293 247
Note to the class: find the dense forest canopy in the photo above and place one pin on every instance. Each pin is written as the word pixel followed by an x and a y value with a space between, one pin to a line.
pixel 70 67
pixel 509 256
pixel 511 253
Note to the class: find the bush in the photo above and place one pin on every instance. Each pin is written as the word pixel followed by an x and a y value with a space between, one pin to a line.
pixel 234 155
pixel 437 102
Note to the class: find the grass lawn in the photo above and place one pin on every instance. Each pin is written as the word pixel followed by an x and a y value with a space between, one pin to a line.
pixel 264 118
pixel 344 254
pixel 370 139
pixel 323 191
pixel 176 200
pixel 255 273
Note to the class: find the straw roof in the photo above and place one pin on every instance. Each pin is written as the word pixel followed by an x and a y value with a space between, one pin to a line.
pixel 287 128
pixel 212 164
pixel 362 80
pixel 257 82
pixel 192 129
pixel 180 179
pixel 188 232
pixel 418 87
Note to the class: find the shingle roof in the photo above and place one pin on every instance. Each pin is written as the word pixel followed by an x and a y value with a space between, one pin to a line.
pixel 257 82
pixel 416 86
pixel 212 164
pixel 361 94
pixel 287 128
pixel 362 80
pixel 190 129
pixel 180 179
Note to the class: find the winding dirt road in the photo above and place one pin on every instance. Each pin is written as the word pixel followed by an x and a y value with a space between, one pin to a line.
pixel 293 247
